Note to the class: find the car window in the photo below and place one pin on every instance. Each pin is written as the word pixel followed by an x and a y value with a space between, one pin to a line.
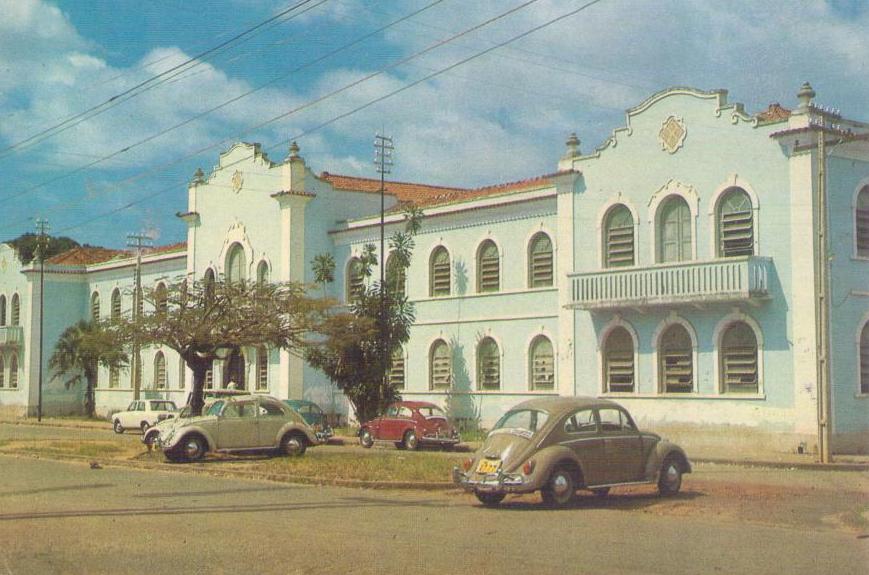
pixel 140 406
pixel 270 409
pixel 527 421
pixel 132 406
pixel 612 419
pixel 405 412
pixel 215 408
pixel 581 422
pixel 392 411
pixel 315 409
pixel 162 406
pixel 240 409
pixel 432 411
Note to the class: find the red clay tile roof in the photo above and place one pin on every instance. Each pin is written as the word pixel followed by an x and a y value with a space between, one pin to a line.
pixel 403 191
pixel 84 256
pixel 775 113
pixel 177 247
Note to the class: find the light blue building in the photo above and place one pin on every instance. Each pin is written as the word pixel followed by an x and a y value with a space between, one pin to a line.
pixel 674 269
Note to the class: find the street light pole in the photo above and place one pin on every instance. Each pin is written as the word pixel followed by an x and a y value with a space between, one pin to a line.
pixel 137 241
pixel 383 148
pixel 42 228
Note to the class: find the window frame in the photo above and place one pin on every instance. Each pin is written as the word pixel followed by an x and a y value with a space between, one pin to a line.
pixel 861 243
pixel 536 341
pixel 441 274
pixel 355 280
pixel 685 222
pixel 723 199
pixel 494 362
pixel 607 241
pixel 161 377
pixel 488 267
pixel 723 357
pixel 863 360
pixel 235 254
pixel 433 348
pixel 661 358
pixel 545 259
pixel 606 361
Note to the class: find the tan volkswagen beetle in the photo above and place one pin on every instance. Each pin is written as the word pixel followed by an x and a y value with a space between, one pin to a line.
pixel 560 444
pixel 242 423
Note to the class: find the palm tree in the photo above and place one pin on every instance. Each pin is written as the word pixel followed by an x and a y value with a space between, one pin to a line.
pixel 79 352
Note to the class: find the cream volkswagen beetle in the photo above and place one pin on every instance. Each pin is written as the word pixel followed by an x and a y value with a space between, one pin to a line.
pixel 560 444
pixel 241 423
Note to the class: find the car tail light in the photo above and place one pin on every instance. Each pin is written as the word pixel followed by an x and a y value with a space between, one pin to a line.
pixel 466 465
pixel 528 468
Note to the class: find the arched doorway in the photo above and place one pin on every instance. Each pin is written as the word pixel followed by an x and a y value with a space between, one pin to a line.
pixel 234 369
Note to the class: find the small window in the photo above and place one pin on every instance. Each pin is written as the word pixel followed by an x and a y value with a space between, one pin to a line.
pixel 355 280
pixel 396 275
pixel 262 273
pixel 739 359
pixel 13 371
pixel 540 261
pixel 15 316
pixel 215 408
pixel 240 409
pixel 159 371
pixel 439 272
pixel 488 267
pixel 236 265
pixel 396 372
pixel 116 304
pixel 735 224
pixel 95 306
pixel 114 377
pixel 542 360
pixel 2 310
pixel 262 369
pixel 405 412
pixel 581 422
pixel 674 231
pixel 271 409
pixel 675 357
pixel 161 299
pixel 612 419
pixel 440 376
pixel 619 361
pixel 392 411
pixel 861 216
pixel 619 237
pixel 488 365
pixel 864 359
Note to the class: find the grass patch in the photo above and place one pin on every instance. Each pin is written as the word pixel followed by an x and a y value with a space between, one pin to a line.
pixel 76 448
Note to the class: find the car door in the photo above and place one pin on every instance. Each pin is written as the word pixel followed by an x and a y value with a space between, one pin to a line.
pixel 237 425
pixel 271 417
pixel 388 426
pixel 623 446
pixel 582 436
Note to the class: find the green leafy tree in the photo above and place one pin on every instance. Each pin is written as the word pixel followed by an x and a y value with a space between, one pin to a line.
pixel 357 345
pixel 207 320
pixel 80 351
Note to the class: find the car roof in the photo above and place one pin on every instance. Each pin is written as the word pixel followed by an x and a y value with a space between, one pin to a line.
pixel 558 405
pixel 415 404
pixel 299 402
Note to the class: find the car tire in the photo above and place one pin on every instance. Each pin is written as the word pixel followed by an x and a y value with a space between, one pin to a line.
pixel 294 445
pixel 150 438
pixel 601 492
pixel 411 441
pixel 447 446
pixel 365 438
pixel 489 499
pixel 670 480
pixel 192 448
pixel 117 427
pixel 399 445
pixel 145 426
pixel 560 488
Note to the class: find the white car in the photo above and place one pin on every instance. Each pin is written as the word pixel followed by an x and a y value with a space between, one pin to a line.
pixel 142 414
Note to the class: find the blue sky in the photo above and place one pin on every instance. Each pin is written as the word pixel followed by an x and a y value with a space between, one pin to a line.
pixel 501 117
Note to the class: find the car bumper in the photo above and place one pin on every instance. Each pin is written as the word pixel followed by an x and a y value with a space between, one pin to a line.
pixel 439 440
pixel 492 483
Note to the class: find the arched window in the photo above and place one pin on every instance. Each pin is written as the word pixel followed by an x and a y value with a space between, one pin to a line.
pixel 861 216
pixel 95 306
pixel 488 365
pixel 439 272
pixel 114 377
pixel 488 267
pixel 236 266
pixel 2 372
pixel 619 361
pixel 13 371
pixel 262 273
pixel 440 366
pixel 15 314
pixel 355 280
pixel 676 360
pixel 159 371
pixel 541 364
pixel 735 224
pixel 864 359
pixel 116 304
pixel 396 275
pixel 738 355
pixel 619 237
pixel 262 368
pixel 540 261
pixel 396 372
pixel 674 231
pixel 161 301
pixel 209 280
pixel 2 310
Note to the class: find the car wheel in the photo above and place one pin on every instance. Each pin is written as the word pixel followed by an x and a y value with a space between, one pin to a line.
pixel 410 439
pixel 601 491
pixel 150 438
pixel 192 448
pixel 559 489
pixel 145 427
pixel 117 427
pixel 490 499
pixel 670 480
pixel 294 445
pixel 366 439
pixel 399 445
pixel 173 455
pixel 447 446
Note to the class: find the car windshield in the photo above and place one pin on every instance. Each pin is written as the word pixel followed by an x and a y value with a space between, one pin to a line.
pixel 432 411
pixel 215 408
pixel 526 421
pixel 163 406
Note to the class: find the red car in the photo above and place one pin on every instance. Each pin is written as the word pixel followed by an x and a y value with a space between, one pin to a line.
pixel 410 424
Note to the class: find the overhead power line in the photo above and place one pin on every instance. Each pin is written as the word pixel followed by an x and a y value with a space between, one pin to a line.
pixel 151 82
pixel 374 101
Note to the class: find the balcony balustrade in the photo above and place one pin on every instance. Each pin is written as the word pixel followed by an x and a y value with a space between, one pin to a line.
pixel 11 335
pixel 692 282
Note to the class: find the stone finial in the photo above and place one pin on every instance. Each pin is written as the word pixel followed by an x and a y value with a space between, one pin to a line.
pixel 572 144
pixel 294 150
pixel 806 95
pixel 198 177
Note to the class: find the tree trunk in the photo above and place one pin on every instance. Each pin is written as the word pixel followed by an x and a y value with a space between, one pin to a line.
pixel 89 399
pixel 197 402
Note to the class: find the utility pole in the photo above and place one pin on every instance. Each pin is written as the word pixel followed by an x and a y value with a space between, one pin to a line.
pixel 41 245
pixel 137 241
pixel 824 395
pixel 383 148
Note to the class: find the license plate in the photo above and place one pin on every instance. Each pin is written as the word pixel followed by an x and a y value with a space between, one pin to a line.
pixel 487 466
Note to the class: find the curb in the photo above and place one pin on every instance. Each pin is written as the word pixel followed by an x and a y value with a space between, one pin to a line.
pixel 801 465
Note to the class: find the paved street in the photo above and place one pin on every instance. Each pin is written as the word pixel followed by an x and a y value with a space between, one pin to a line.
pixel 67 518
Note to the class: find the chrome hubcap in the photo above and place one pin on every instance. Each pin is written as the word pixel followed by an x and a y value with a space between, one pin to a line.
pixel 191 448
pixel 672 475
pixel 293 445
pixel 560 484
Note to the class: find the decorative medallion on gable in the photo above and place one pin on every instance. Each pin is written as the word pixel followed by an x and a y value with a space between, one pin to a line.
pixel 672 134
pixel 237 181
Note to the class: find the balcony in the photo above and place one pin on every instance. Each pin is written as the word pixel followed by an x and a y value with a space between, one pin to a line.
pixel 11 335
pixel 721 280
